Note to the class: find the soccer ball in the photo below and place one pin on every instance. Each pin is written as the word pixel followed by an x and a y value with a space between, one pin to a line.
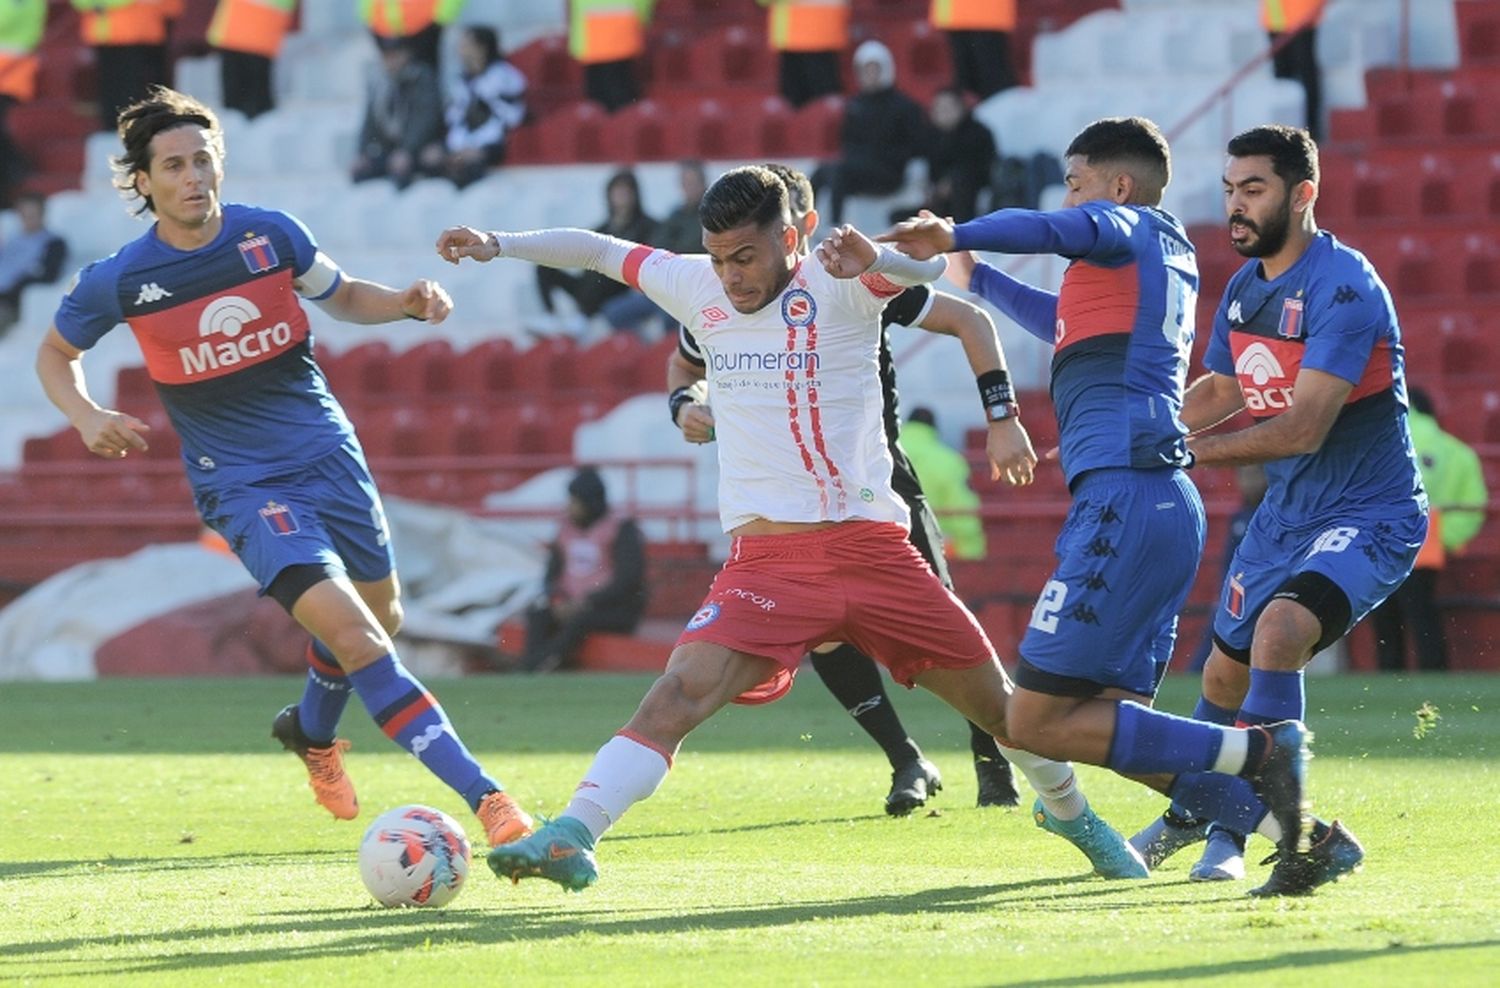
pixel 414 856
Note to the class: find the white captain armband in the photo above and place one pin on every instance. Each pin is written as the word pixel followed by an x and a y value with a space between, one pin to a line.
pixel 320 278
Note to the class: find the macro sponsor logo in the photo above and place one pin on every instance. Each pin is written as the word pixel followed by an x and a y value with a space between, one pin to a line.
pixel 1257 368
pixel 226 336
pixel 767 360
pixel 764 603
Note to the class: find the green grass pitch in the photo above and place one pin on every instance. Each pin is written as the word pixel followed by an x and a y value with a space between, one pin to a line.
pixel 154 835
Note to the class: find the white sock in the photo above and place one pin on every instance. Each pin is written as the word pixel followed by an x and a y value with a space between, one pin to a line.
pixel 1053 781
pixel 625 771
pixel 1269 828
pixel 1233 751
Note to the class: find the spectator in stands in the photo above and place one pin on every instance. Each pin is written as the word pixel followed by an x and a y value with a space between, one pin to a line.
pixel 34 257
pixel 488 102
pixel 403 118
pixel 1454 478
pixel 130 42
pixel 979 34
pixel 960 154
pixel 608 37
pixel 1251 481
pixel 681 232
pixel 21 23
pixel 248 35
pixel 809 37
pixel 628 221
pixel 944 473
pixel 1298 58
pixel 596 578
pixel 419 23
pixel 881 132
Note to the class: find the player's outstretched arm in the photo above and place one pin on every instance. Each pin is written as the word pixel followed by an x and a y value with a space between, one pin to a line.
pixel 1012 458
pixel 922 237
pixel 367 302
pixel 1210 400
pixel 561 247
pixel 687 397
pixel 106 432
pixel 1317 399
pixel 847 253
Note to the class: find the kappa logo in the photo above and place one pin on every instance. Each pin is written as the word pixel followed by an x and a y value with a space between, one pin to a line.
pixel 1236 314
pixel 1259 364
pixel 151 292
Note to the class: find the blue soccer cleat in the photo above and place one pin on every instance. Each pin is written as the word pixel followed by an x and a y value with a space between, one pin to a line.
pixel 1223 859
pixel 562 851
pixel 1166 835
pixel 1109 853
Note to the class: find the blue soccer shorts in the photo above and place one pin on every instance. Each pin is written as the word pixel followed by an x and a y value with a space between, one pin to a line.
pixel 326 512
pixel 1365 556
pixel 1127 556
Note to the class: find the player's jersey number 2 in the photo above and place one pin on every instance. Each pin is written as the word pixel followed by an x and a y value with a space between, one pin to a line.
pixel 1044 615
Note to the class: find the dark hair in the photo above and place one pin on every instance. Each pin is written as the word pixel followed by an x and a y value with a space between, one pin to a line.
pixel 748 194
pixel 923 415
pixel 1419 400
pixel 488 40
pixel 140 122
pixel 799 190
pixel 1126 140
pixel 627 178
pixel 1292 150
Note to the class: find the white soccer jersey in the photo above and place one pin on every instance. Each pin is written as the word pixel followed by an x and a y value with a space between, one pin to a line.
pixel 795 389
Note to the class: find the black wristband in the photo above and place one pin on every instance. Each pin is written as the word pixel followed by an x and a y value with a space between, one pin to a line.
pixel 995 390
pixel 678 398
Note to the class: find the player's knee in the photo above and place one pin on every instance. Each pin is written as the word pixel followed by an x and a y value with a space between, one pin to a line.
pixel 391 615
pixel 673 706
pixel 356 645
pixel 1225 680
pixel 1285 636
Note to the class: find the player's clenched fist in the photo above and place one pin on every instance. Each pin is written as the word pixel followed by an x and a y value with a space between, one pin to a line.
pixel 458 242
pixel 426 300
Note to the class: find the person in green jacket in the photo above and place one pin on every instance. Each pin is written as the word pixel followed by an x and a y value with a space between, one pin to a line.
pixel 944 473
pixel 1454 479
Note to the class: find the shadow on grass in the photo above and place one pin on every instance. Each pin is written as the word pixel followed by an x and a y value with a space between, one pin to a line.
pixel 21 870
pixel 358 932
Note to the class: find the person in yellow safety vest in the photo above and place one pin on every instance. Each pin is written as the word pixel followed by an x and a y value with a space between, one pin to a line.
pixel 248 34
pixel 1454 478
pixel 944 473
pixel 129 38
pixel 809 37
pixel 1298 58
pixel 607 37
pixel 21 23
pixel 979 34
pixel 419 22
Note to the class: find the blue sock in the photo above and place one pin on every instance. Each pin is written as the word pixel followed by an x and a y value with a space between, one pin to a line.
pixel 324 697
pixel 411 717
pixel 1227 800
pixel 1150 742
pixel 1274 696
pixel 1209 713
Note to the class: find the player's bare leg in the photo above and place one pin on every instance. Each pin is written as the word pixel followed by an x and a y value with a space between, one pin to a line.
pixel 701 677
pixel 982 694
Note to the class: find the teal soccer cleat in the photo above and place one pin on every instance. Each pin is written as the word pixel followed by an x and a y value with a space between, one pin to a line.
pixel 1111 855
pixel 562 851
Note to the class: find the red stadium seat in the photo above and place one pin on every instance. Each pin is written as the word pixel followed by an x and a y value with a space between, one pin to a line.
pixel 425 369
pixel 486 369
pixel 361 371
pixel 817 126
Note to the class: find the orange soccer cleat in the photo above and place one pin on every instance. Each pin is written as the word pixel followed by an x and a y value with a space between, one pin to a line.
pixel 325 766
pixel 504 821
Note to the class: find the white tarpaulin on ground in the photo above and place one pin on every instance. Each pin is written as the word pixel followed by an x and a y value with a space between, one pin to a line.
pixel 461 576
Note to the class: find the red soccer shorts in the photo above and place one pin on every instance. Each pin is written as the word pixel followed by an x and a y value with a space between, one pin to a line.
pixel 861 582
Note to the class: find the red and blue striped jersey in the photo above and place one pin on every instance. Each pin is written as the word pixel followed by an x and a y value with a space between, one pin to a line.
pixel 225 340
pixel 1328 312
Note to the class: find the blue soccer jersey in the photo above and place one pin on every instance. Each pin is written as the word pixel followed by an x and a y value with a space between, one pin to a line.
pixel 1328 312
pixel 1122 324
pixel 225 340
